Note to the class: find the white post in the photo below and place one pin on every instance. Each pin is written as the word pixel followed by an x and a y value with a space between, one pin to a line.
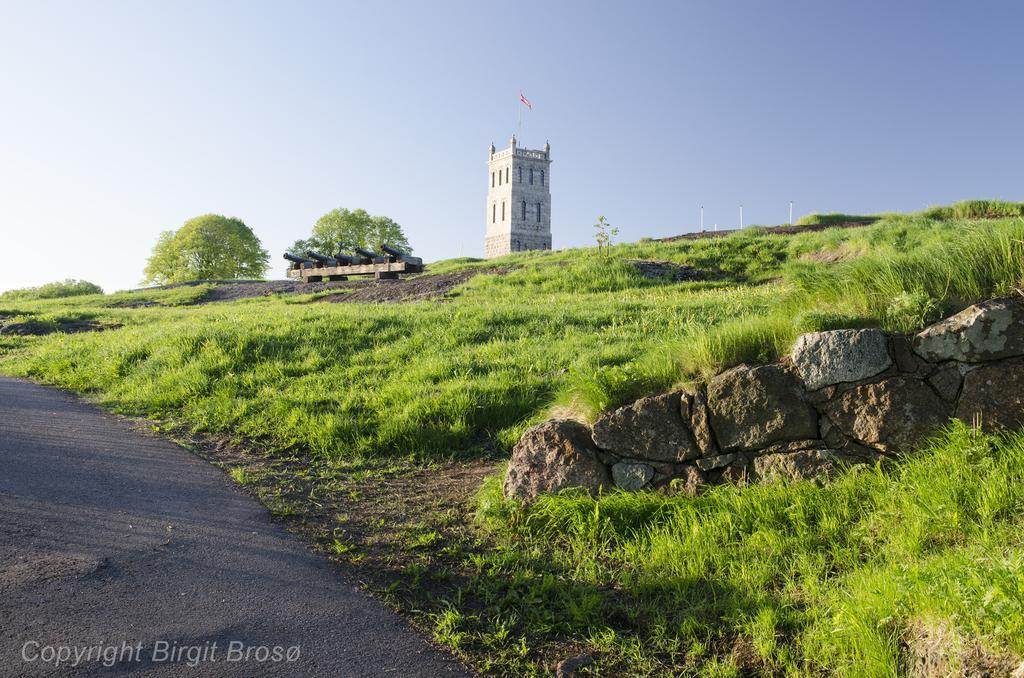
pixel 702 218
pixel 790 212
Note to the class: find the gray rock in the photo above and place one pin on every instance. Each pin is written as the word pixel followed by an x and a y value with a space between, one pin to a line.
pixel 825 358
pixel 651 428
pixel 819 464
pixel 553 456
pixel 736 473
pixel 752 407
pixel 695 410
pixel 993 395
pixel 893 415
pixel 631 476
pixel 906 360
pixel 835 439
pixel 688 480
pixel 988 331
pixel 710 463
pixel 946 381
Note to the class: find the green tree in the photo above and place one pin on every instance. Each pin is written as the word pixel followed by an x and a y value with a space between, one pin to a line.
pixel 344 229
pixel 209 247
pixel 604 235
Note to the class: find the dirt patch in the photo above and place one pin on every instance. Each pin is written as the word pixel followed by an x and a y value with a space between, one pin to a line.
pixel 39 328
pixel 418 288
pixel 665 270
pixel 134 304
pixel 366 291
pixel 401 531
pixel 376 520
pixel 935 649
pixel 777 230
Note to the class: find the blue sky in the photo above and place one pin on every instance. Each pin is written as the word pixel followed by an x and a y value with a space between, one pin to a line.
pixel 122 119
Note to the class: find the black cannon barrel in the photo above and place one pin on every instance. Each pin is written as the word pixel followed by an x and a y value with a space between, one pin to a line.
pixel 399 255
pixel 393 252
pixel 366 253
pixel 328 261
pixel 297 259
pixel 346 260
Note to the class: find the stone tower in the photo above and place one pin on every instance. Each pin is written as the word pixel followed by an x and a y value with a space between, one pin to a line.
pixel 518 200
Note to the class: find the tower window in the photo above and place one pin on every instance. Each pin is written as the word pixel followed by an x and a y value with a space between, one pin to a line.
pixel 542 177
pixel 507 170
pixel 499 177
pixel 492 179
pixel 520 174
pixel 538 213
pixel 524 211
pixel 494 212
pixel 531 176
pixel 503 210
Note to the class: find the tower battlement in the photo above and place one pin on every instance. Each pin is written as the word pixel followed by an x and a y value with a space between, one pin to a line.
pixel 518 200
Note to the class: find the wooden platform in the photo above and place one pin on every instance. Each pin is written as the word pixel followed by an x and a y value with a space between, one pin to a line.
pixel 383 271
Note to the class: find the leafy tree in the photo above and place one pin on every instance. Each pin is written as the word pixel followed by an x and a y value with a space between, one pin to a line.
pixel 209 247
pixel 343 228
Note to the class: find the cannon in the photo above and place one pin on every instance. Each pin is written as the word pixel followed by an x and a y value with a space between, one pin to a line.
pixel 372 256
pixel 346 260
pixel 316 267
pixel 400 255
pixel 355 260
pixel 297 260
pixel 324 261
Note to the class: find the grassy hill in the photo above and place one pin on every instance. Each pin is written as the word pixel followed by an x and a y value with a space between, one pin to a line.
pixel 863 577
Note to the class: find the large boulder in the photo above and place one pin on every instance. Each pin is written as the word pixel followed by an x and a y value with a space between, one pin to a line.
pixel 825 358
pixel 553 456
pixel 801 465
pixel 650 428
pixel 893 415
pixel 994 395
pixel 752 407
pixel 987 331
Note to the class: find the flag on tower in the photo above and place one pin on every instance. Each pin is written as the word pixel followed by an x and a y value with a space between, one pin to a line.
pixel 525 100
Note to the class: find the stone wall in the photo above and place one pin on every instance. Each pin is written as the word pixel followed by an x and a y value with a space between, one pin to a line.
pixel 840 398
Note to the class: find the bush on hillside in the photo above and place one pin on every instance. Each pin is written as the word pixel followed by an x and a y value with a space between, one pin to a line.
pixel 832 218
pixel 54 290
pixel 975 209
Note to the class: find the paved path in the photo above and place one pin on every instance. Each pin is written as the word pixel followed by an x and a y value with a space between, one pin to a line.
pixel 112 538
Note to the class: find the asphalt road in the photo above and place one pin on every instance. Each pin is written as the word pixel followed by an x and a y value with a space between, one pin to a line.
pixel 113 539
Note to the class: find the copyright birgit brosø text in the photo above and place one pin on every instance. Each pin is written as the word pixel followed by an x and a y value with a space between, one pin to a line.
pixel 158 652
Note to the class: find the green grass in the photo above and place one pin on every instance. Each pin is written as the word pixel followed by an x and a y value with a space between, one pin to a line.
pixel 566 329
pixel 772 579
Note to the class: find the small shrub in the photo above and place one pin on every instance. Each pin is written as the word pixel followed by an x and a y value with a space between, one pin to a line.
pixel 832 218
pixel 54 290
